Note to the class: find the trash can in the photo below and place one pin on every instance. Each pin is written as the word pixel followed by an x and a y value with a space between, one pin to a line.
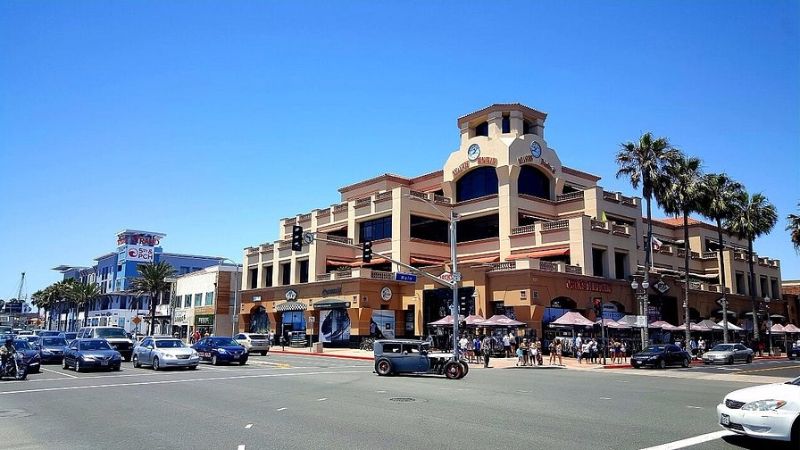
pixel 316 347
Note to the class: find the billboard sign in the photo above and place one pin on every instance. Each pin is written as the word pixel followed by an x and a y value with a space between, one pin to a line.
pixel 138 253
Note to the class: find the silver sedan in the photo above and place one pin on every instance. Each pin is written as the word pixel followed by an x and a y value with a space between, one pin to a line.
pixel 163 352
pixel 728 354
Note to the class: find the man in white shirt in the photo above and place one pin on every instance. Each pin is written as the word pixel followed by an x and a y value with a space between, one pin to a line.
pixel 578 347
pixel 507 345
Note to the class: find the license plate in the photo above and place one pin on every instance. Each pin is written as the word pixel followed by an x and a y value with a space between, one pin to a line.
pixel 235 356
pixel 103 363
pixel 725 420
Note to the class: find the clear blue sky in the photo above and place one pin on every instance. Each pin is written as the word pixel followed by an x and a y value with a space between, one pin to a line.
pixel 209 121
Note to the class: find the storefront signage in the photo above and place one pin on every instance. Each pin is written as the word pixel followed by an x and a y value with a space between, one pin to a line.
pixel 256 298
pixel 150 240
pixel 180 317
pixel 481 161
pixel 204 310
pixel 332 291
pixel 386 294
pixel 591 286
pixel 204 320
pixel 291 295
pixel 139 253
pixel 524 159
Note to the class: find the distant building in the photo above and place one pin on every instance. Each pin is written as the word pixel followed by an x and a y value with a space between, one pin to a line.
pixel 204 300
pixel 114 272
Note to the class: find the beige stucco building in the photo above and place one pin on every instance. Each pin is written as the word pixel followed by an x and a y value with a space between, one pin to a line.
pixel 203 300
pixel 535 237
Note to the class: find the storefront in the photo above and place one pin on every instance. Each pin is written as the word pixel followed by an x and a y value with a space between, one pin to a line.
pixel 204 323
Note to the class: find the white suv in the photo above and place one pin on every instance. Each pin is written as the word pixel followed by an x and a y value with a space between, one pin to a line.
pixel 254 343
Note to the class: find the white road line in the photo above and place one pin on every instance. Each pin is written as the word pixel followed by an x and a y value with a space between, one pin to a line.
pixel 241 447
pixel 282 409
pixel 688 442
pixel 55 371
pixel 380 392
pixel 605 398
pixel 248 426
pixel 322 399
pixel 694 407
pixel 185 380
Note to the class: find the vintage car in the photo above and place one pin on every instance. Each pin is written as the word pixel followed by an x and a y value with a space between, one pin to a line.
pixel 394 356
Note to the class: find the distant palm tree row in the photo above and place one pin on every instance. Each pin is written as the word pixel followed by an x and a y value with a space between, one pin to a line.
pixel 74 296
pixel 677 183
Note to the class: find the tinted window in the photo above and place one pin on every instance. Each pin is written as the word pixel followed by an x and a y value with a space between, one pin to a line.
pixel 111 333
pixel 94 345
pixel 22 345
pixel 655 349
pixel 54 341
pixel 533 182
pixel 476 183
pixel 722 348
pixel 258 336
pixel 169 343
pixel 223 341
pixel 391 347
pixel 372 230
pixel 146 342
pixel 241 336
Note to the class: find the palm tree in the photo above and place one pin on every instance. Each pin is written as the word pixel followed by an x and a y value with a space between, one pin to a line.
pixel 60 294
pixel 152 280
pixel 793 227
pixel 83 294
pixel 40 301
pixel 678 192
pixel 754 216
pixel 719 194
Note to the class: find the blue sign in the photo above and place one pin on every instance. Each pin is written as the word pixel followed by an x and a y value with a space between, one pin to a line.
pixel 411 278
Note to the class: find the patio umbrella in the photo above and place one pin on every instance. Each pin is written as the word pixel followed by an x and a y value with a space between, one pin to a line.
pixel 572 319
pixel 661 324
pixel 777 329
pixel 707 325
pixel 613 325
pixel 499 320
pixel 474 320
pixel 445 321
pixel 791 329
pixel 731 327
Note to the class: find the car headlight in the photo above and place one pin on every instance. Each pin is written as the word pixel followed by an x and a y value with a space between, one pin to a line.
pixel 763 405
pixel 221 350
pixel 194 354
pixel 47 352
pixel 169 356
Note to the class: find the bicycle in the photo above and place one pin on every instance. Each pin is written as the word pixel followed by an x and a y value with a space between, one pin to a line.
pixel 367 344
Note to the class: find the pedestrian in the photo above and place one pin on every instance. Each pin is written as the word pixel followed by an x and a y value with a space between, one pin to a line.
pixel 486 347
pixel 552 349
pixel 558 352
pixel 578 345
pixel 506 346
pixel 477 344
pixel 693 348
pixel 512 340
pixel 623 350
pixel 701 347
pixel 593 351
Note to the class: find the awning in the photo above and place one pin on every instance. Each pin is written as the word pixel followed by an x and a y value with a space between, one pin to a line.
pixel 373 262
pixel 501 320
pixel 424 260
pixel 731 326
pixel 332 304
pixel 482 260
pixel 572 318
pixel 541 254
pixel 791 328
pixel 340 262
pixel 291 306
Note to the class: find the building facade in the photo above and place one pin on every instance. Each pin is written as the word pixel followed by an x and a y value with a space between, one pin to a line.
pixel 535 238
pixel 114 272
pixel 204 301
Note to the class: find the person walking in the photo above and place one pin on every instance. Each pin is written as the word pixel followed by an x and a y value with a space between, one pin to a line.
pixel 559 350
pixel 578 345
pixel 593 351
pixel 539 357
pixel 477 345
pixel 486 347
pixel 701 347
pixel 693 348
pixel 506 346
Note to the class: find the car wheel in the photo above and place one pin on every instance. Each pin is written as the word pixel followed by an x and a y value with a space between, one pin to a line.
pixel 685 363
pixel 263 353
pixel 453 370
pixel 78 367
pixel 662 364
pixel 795 437
pixel 730 361
pixel 116 368
pixel 214 361
pixel 464 369
pixel 192 367
pixel 241 363
pixel 383 367
pixel 64 364
pixel 38 370
pixel 136 362
pixel 155 364
pixel 749 359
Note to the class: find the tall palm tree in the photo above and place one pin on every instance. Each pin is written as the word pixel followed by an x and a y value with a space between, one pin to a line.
pixel 61 292
pixel 83 294
pixel 719 193
pixel 755 216
pixel 152 280
pixel 793 227
pixel 40 301
pixel 678 192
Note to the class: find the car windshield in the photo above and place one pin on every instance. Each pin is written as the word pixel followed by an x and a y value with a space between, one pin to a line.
pixel 49 333
pixel 223 341
pixel 22 345
pixel 655 349
pixel 70 335
pixel 722 348
pixel 55 341
pixel 257 336
pixel 94 345
pixel 111 333
pixel 169 343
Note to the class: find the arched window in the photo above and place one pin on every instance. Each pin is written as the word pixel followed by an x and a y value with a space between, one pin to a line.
pixel 478 182
pixel 533 182
pixel 563 302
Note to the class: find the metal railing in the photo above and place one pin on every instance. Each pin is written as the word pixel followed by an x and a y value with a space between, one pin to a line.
pixel 569 196
pixel 342 239
pixel 555 225
pixel 548 266
pixel 501 266
pixel 523 229
pixel 381 275
pixel 577 270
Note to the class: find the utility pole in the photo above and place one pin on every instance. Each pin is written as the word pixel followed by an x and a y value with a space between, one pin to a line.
pixel 456 280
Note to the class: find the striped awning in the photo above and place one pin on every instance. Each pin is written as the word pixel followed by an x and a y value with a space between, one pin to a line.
pixel 291 306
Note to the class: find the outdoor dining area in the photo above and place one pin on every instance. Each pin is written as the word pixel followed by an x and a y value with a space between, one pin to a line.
pixel 471 326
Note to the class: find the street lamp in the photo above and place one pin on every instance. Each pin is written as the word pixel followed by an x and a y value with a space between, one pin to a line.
pixel 769 323
pixel 641 296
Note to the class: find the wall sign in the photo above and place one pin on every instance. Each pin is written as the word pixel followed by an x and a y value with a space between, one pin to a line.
pixel 332 291
pixel 481 160
pixel 591 286
pixel 291 295
pixel 386 294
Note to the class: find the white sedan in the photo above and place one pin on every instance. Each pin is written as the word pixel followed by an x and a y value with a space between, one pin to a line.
pixel 770 411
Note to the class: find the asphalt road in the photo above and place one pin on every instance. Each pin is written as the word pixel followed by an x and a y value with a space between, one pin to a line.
pixel 781 368
pixel 315 402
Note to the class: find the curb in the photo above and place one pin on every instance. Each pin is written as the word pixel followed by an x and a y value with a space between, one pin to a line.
pixel 361 358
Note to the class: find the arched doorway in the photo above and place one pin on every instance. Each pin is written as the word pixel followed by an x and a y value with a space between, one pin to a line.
pixel 564 303
pixel 259 321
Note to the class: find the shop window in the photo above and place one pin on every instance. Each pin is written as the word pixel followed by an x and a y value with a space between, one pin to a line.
pixel 303 271
pixel 483 227
pixel 372 230
pixel 620 265
pixel 253 277
pixel 776 292
pixel 268 280
pixel 286 274
pixel 506 124
pixel 198 299
pixel 429 229
pixel 482 129
pixel 598 261
pixel 209 298
pixel 478 182
pixel 533 181
pixel 740 284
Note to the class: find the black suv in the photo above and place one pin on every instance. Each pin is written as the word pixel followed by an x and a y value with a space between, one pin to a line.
pixel 115 336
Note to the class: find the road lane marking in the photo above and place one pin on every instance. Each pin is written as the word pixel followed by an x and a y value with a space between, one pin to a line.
pixel 282 409
pixel 322 399
pixel 184 380
pixel 766 370
pixel 248 426
pixel 688 442
pixel 241 447
pixel 60 373
pixel 694 407
pixel 605 398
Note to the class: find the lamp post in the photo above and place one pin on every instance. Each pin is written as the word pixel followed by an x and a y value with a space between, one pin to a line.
pixel 640 290
pixel 769 323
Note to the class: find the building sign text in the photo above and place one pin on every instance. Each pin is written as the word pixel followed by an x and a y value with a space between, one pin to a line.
pixel 591 286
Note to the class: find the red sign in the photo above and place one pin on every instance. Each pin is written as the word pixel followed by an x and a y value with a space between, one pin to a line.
pixel 138 239
pixel 483 160
pixel 591 286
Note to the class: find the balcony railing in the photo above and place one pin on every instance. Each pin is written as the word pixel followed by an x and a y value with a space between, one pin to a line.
pixel 523 229
pixel 381 275
pixel 418 194
pixel 284 245
pixel 548 266
pixel 502 266
pixel 324 212
pixel 555 225
pixel 323 276
pixel 569 196
pixel 709 255
pixel 441 199
pixel 620 230
pixel 342 207
pixel 383 196
pixel 264 248
pixel 621 199
pixel 304 217
pixel 599 225
pixel 577 270
pixel 362 202
pixel 343 273
pixel 342 239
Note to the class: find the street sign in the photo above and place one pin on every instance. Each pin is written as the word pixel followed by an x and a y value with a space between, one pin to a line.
pixel 136 320
pixel 722 301
pixel 641 322
pixel 308 238
pixel 662 287
pixel 400 276
pixel 450 277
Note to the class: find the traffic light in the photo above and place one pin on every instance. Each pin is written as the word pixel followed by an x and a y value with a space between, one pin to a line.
pixel 598 306
pixel 366 251
pixel 297 238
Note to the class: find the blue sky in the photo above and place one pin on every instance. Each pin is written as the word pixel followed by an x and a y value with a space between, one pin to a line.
pixel 209 121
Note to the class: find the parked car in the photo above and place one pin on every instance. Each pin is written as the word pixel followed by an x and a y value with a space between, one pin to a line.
pixel 394 356
pixel 91 353
pixel 116 337
pixel 68 336
pixel 23 332
pixel 52 349
pixel 162 352
pixel 254 343
pixel 728 354
pixel 30 355
pixel 661 356
pixel 770 411
pixel 221 350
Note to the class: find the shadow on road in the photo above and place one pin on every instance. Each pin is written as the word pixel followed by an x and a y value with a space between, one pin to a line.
pixel 751 443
